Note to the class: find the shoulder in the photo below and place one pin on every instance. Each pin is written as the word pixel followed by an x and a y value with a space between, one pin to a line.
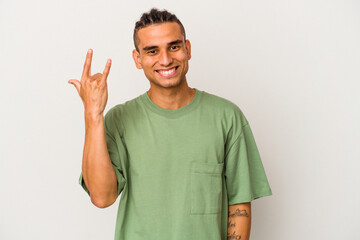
pixel 223 106
pixel 123 108
pixel 117 114
pixel 218 101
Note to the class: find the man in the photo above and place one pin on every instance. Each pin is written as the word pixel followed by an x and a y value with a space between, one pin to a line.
pixel 184 160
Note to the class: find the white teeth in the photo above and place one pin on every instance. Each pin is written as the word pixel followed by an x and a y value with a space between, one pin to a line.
pixel 167 73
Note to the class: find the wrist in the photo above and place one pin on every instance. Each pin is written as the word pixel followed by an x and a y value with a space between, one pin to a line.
pixel 93 118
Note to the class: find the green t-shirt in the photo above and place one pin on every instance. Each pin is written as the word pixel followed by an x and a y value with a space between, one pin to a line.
pixel 178 170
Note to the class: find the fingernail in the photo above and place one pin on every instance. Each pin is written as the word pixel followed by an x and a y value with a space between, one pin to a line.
pixel 89 51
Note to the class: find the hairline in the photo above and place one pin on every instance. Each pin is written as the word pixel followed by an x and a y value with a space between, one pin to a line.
pixel 136 38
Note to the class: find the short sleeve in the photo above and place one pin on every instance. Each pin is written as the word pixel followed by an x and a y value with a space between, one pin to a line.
pixel 244 172
pixel 117 152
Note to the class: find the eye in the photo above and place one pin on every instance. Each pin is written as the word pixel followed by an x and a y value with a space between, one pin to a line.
pixel 175 47
pixel 151 52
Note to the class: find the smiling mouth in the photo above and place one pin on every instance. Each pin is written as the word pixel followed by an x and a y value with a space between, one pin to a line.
pixel 168 72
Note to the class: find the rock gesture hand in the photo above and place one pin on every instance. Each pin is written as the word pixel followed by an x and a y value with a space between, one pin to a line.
pixel 92 89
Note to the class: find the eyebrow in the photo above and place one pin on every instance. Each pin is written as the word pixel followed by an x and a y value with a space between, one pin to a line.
pixel 147 48
pixel 175 42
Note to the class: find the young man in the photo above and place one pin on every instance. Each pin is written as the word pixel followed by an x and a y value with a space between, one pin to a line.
pixel 184 160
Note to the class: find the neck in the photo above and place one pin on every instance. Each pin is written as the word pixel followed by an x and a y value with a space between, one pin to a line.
pixel 171 98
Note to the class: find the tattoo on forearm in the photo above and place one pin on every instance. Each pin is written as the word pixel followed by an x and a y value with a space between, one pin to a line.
pixel 234 236
pixel 238 212
pixel 230 224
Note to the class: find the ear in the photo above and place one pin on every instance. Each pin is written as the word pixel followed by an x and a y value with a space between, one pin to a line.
pixel 188 48
pixel 137 59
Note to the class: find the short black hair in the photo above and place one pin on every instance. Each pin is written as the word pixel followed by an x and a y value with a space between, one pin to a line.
pixel 155 16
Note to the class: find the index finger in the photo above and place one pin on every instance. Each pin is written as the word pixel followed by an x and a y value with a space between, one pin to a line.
pixel 87 64
pixel 107 69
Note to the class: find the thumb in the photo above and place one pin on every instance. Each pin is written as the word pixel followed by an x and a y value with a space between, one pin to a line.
pixel 76 84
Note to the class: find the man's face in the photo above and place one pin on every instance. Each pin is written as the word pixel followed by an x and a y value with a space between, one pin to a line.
pixel 163 54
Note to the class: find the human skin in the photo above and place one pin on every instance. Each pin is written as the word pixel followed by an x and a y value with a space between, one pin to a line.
pixel 157 51
pixel 239 221
pixel 98 173
pixel 162 48
pixel 97 170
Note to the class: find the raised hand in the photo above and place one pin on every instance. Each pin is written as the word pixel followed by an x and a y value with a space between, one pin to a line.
pixel 92 89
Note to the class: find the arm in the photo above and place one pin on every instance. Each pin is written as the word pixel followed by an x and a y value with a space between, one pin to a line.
pixel 239 221
pixel 98 172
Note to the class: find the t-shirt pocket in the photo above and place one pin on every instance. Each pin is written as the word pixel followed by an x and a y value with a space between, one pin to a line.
pixel 206 188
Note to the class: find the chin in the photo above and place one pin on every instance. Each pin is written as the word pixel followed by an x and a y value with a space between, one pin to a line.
pixel 167 85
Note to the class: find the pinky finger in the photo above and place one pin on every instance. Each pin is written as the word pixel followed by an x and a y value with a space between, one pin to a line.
pixel 107 69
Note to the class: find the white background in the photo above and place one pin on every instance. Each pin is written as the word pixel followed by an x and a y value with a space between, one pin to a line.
pixel 291 66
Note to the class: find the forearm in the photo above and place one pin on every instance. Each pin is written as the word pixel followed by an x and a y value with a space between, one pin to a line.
pixel 239 221
pixel 98 172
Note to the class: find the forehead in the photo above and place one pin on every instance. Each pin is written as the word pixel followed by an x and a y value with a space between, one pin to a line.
pixel 159 34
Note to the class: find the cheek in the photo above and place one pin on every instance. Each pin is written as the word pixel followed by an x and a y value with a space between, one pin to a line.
pixel 147 63
pixel 182 56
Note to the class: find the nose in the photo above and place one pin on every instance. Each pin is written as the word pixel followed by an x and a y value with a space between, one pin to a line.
pixel 165 58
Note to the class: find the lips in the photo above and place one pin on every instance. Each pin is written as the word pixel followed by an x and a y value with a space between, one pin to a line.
pixel 167 72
